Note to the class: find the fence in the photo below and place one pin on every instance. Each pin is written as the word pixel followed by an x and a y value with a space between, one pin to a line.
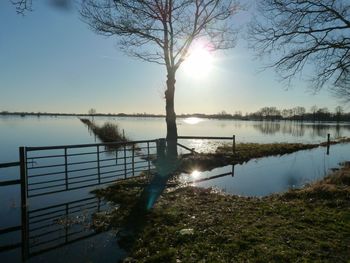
pixel 56 226
pixel 233 139
pixel 54 169
pixel 15 228
pixel 48 170
pixel 62 168
pixel 9 182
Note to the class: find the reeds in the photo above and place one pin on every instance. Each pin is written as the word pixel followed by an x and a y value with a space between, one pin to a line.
pixel 108 132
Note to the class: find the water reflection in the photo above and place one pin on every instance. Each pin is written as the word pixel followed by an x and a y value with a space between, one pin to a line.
pixel 193 120
pixel 194 175
pixel 261 177
pixel 257 177
pixel 66 229
pixel 301 129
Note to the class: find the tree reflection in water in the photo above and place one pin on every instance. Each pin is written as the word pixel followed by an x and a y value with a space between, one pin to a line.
pixel 300 129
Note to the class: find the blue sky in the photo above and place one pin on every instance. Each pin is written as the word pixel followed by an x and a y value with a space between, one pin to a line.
pixel 50 61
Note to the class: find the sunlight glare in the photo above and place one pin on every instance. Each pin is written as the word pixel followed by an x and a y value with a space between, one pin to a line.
pixel 192 120
pixel 199 62
pixel 195 174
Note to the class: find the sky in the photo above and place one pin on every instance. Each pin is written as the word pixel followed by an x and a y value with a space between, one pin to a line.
pixel 50 61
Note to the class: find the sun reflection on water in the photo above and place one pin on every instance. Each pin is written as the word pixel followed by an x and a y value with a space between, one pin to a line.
pixel 195 174
pixel 190 178
pixel 193 120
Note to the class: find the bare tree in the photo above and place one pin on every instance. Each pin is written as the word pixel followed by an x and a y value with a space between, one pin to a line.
pixel 313 110
pixel 92 113
pixel 23 6
pixel 339 111
pixel 162 32
pixel 304 34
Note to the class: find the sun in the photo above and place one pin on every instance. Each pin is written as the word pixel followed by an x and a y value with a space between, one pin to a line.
pixel 199 62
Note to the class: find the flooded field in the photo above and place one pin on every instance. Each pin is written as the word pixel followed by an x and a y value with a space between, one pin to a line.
pixel 60 221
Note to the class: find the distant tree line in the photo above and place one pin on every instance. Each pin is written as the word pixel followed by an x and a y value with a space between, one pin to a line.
pixel 299 113
pixel 315 114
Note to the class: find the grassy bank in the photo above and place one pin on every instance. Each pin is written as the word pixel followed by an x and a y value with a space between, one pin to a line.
pixel 243 153
pixel 197 225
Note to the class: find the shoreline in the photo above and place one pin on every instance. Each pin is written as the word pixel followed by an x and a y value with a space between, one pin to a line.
pixel 199 225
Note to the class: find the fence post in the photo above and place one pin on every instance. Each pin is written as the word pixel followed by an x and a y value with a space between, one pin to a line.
pixel 23 172
pixel 125 165
pixel 133 157
pixel 233 144
pixel 66 227
pixel 24 189
pixel 98 164
pixel 328 142
pixel 149 159
pixel 66 167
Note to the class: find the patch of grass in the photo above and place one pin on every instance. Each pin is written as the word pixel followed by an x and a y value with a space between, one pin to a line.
pixel 108 132
pixel 246 151
pixel 243 153
pixel 310 224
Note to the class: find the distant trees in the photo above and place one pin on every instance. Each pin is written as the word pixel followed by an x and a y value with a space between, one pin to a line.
pixel 162 32
pixel 92 113
pixel 339 111
pixel 300 34
pixel 299 114
pixel 269 113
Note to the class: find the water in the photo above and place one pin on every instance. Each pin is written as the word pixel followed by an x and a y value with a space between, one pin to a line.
pixel 261 177
pixel 63 232
pixel 45 131
pixel 255 178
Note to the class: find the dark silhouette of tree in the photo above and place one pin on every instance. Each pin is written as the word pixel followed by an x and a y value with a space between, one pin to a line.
pixel 92 112
pixel 303 33
pixel 270 113
pixel 339 111
pixel 23 6
pixel 162 32
pixel 298 113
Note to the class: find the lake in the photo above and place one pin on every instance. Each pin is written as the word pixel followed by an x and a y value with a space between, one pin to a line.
pixel 46 131
pixel 60 223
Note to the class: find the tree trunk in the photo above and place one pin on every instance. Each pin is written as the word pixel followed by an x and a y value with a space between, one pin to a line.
pixel 170 115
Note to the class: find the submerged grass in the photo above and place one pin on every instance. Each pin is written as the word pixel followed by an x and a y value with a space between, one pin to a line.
pixel 198 225
pixel 108 132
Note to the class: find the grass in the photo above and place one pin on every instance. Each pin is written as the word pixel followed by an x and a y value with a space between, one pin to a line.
pixel 243 153
pixel 108 132
pixel 198 225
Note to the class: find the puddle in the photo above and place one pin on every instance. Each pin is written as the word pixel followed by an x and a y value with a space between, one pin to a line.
pixel 264 176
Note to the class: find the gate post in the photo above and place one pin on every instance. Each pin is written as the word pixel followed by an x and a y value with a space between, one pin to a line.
pixel 233 144
pixel 23 173
pixel 328 142
pixel 24 204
